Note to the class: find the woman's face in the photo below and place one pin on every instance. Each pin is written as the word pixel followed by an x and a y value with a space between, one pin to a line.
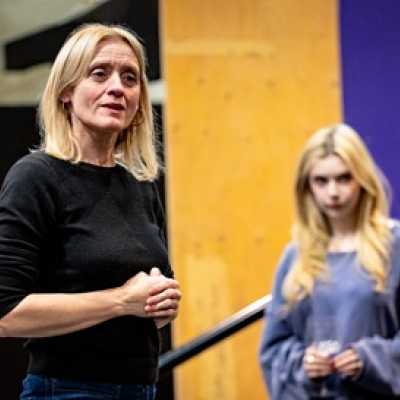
pixel 335 190
pixel 107 97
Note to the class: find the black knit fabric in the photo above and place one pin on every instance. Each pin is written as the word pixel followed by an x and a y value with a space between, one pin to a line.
pixel 71 228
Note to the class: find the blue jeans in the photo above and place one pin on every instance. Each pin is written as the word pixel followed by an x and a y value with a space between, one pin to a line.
pixel 37 387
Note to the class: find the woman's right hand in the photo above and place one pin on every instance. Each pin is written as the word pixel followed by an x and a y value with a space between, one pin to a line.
pixel 54 314
pixel 316 364
pixel 163 301
pixel 150 295
pixel 134 293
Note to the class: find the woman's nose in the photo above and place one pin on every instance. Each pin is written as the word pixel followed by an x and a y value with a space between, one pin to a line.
pixel 115 86
pixel 332 188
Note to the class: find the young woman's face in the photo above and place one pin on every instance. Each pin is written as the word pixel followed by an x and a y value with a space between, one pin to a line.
pixel 107 97
pixel 335 190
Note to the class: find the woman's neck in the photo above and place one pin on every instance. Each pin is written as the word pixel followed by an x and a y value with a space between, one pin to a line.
pixel 344 236
pixel 97 148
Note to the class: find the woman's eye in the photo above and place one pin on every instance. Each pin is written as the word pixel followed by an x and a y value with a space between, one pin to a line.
pixel 320 180
pixel 98 74
pixel 345 178
pixel 130 78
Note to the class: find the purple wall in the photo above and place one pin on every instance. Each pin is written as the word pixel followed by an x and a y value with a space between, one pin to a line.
pixel 370 47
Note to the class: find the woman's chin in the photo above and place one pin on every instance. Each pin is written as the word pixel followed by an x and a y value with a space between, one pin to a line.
pixel 109 127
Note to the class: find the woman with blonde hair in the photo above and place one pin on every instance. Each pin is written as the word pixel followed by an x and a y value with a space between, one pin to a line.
pixel 333 329
pixel 84 270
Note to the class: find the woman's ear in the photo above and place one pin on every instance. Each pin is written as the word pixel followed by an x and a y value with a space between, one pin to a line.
pixel 66 96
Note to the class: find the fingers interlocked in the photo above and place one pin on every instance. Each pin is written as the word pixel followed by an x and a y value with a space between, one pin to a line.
pixel 316 364
pixel 348 363
pixel 163 300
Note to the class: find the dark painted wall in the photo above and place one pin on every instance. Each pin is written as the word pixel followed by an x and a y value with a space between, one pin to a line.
pixel 17 136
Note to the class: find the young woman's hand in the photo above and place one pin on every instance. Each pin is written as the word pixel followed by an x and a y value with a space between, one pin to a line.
pixel 316 364
pixel 348 363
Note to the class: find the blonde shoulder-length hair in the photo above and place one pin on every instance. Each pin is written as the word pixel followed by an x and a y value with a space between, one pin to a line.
pixel 135 148
pixel 311 230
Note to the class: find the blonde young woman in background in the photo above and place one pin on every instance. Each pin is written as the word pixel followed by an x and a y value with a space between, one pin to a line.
pixel 84 270
pixel 333 328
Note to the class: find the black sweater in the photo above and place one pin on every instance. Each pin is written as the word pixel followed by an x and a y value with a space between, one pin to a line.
pixel 71 228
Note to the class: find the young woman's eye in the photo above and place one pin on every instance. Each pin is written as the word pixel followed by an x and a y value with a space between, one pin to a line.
pixel 319 180
pixel 345 178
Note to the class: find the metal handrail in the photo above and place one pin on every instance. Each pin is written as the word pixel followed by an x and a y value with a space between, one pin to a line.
pixel 227 327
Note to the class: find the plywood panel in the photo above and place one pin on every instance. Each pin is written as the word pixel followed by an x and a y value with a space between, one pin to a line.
pixel 247 82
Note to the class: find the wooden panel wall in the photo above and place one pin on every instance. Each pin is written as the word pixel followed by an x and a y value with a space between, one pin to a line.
pixel 247 82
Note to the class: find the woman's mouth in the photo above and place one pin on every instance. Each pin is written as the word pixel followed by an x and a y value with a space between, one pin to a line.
pixel 334 206
pixel 114 106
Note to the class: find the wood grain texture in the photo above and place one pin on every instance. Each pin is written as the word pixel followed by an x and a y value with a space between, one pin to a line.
pixel 247 82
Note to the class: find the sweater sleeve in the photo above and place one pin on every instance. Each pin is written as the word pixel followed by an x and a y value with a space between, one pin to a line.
pixel 160 220
pixel 281 351
pixel 381 364
pixel 381 356
pixel 27 212
pixel 159 214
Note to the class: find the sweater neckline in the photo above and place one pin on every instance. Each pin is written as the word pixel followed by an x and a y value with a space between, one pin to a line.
pixel 341 253
pixel 95 167
pixel 87 166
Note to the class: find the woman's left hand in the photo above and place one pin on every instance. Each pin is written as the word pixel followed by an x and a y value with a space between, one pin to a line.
pixel 163 301
pixel 348 363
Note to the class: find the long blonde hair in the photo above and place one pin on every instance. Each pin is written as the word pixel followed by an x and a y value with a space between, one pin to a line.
pixel 311 230
pixel 135 147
